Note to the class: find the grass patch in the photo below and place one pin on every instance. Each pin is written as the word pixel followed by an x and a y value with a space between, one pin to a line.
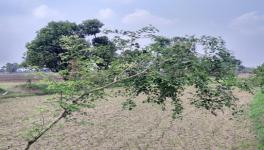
pixel 15 95
pixel 25 90
pixel 2 91
pixel 39 87
pixel 257 115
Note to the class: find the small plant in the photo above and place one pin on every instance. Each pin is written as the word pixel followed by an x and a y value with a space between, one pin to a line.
pixel 29 83
pixel 86 123
pixel 33 132
pixel 2 91
pixel 40 87
pixel 129 104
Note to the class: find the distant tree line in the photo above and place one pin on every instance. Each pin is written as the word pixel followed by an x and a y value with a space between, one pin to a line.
pixel 10 67
pixel 15 67
pixel 244 69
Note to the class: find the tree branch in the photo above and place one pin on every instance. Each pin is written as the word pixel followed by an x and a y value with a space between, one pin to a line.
pixel 65 112
pixel 108 85
pixel 63 115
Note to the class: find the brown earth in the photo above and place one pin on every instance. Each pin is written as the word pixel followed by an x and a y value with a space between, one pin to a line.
pixel 108 126
pixel 16 77
pixel 23 77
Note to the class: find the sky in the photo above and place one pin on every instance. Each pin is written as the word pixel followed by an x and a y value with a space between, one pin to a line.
pixel 239 22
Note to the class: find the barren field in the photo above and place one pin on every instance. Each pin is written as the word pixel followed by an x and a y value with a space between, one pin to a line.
pixel 16 77
pixel 23 77
pixel 108 126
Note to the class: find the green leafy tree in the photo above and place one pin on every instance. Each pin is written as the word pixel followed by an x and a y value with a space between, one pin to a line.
pixel 105 49
pixel 76 49
pixel 90 27
pixel 44 50
pixel 162 71
pixel 11 67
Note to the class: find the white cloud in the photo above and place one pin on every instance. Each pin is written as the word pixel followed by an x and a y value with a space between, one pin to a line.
pixel 144 17
pixel 119 1
pixel 43 11
pixel 249 23
pixel 106 14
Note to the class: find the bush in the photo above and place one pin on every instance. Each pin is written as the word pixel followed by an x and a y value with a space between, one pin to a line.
pixel 43 88
pixel 2 91
pixel 259 76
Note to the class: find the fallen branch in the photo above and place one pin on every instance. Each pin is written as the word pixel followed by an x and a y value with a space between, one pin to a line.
pixel 5 93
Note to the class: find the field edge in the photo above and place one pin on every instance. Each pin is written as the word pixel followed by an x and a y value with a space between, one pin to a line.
pixel 257 116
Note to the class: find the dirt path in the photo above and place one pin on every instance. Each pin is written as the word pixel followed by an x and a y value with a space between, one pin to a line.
pixel 109 127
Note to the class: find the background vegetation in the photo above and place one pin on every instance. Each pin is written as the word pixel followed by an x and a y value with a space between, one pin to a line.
pixel 257 115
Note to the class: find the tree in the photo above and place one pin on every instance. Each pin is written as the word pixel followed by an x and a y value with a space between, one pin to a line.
pixel 76 48
pixel 104 49
pixel 2 69
pixel 11 67
pixel 161 71
pixel 90 27
pixel 46 49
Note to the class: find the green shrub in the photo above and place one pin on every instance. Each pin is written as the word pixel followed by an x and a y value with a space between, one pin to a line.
pixel 2 91
pixel 43 88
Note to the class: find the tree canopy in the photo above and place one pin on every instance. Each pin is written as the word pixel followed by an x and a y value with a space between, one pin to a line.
pixel 161 71
pixel 11 67
pixel 90 27
pixel 46 49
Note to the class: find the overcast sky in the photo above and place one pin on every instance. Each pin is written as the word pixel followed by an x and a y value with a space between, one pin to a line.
pixel 239 22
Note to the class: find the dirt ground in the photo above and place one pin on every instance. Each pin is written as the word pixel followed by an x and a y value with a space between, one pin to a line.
pixel 108 126
pixel 23 77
